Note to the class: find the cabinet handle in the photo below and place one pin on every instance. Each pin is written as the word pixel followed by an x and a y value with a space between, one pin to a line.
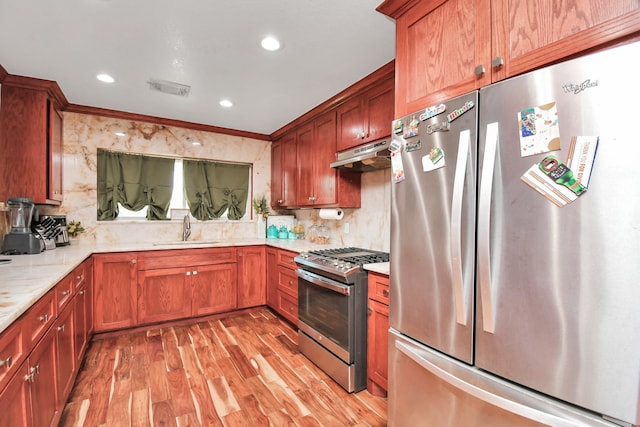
pixel 291 309
pixel 44 318
pixel 61 328
pixel 497 62
pixel 134 261
pixel 188 273
pixel 290 282
pixel 6 362
pixel 385 293
pixel 195 273
pixel 280 201
pixel 369 310
pixel 479 70
pixel 82 292
pixel 30 377
pixel 65 292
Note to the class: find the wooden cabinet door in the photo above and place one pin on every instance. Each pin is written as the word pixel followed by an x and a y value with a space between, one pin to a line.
pixel 377 347
pixel 277 172
pixel 379 107
pixel 529 35
pixel 115 290
pixel 55 152
pixel 15 402
pixel 214 289
pixel 164 294
pixel 283 171
pixel 439 44
pixel 13 350
pixel 252 286
pixel 42 383
pixel 324 153
pixel 25 131
pixel 80 331
pixel 65 353
pixel 305 162
pixel 272 276
pixel 350 123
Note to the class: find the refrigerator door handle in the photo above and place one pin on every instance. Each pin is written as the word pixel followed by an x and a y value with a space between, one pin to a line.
pixel 485 395
pixel 459 291
pixel 487 298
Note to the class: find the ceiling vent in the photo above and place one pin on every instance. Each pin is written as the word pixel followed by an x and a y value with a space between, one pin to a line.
pixel 171 88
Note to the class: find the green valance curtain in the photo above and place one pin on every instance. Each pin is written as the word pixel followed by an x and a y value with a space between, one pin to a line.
pixel 134 181
pixel 212 187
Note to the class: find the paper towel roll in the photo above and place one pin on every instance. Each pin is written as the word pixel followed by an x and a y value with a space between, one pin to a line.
pixel 331 213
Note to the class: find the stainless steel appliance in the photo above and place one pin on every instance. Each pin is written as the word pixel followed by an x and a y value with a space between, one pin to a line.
pixel 332 311
pixel 21 240
pixel 505 308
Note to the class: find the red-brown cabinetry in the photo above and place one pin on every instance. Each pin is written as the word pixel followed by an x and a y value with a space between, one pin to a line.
pixel 252 284
pixel 377 334
pixel 116 276
pixel 284 171
pixel 31 139
pixel 282 283
pixel 366 117
pixel 445 48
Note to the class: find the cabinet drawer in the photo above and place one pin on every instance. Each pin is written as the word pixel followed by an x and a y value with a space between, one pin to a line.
pixel 285 259
pixel 79 276
pixel 39 318
pixel 12 351
pixel 181 257
pixel 288 307
pixel 379 288
pixel 64 292
pixel 287 281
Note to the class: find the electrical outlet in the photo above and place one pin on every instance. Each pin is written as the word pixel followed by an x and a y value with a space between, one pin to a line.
pixel 346 228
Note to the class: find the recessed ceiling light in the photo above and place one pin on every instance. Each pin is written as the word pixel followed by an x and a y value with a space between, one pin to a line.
pixel 270 43
pixel 196 143
pixel 120 134
pixel 106 78
pixel 226 103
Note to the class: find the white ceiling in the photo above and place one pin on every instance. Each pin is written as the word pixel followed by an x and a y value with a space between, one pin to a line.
pixel 211 45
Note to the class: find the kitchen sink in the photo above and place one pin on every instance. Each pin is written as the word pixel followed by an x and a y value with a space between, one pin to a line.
pixel 186 243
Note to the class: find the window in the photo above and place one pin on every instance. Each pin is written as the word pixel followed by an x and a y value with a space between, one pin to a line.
pixel 215 188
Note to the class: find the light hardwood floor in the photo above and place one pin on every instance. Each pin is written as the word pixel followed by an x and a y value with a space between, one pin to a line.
pixel 242 370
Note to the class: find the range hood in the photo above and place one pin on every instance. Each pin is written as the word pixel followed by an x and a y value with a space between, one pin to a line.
pixel 365 158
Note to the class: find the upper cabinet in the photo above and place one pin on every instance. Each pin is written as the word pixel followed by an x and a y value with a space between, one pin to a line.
pixel 283 171
pixel 320 185
pixel 366 117
pixel 31 139
pixel 445 48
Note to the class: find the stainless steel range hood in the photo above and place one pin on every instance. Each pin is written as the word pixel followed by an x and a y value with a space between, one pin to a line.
pixel 365 158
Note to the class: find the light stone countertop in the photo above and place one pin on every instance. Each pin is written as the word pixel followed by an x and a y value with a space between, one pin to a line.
pixel 27 278
pixel 379 267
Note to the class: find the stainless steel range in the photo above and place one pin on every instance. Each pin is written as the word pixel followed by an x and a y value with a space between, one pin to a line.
pixel 332 311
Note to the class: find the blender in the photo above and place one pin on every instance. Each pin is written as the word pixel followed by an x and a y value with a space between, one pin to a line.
pixel 20 239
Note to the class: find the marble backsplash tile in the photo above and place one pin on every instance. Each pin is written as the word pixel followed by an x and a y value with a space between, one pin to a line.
pixel 84 134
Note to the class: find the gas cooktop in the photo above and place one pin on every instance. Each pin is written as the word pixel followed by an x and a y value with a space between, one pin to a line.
pixel 340 263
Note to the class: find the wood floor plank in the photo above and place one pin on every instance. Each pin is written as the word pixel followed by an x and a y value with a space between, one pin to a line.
pixel 163 414
pixel 242 370
pixel 140 408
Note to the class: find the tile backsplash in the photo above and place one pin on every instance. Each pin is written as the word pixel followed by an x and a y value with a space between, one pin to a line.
pixel 84 134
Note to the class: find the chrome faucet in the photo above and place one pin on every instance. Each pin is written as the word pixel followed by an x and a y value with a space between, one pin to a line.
pixel 186 228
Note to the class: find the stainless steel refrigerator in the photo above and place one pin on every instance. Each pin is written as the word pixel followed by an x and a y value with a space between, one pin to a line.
pixel 515 252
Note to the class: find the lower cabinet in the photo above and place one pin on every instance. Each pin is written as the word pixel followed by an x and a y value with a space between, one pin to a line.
pixel 40 354
pixel 115 286
pixel 177 284
pixel 377 334
pixel 252 286
pixel 282 284
pixel 65 353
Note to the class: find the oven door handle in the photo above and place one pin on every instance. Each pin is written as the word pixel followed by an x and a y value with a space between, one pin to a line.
pixel 324 282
